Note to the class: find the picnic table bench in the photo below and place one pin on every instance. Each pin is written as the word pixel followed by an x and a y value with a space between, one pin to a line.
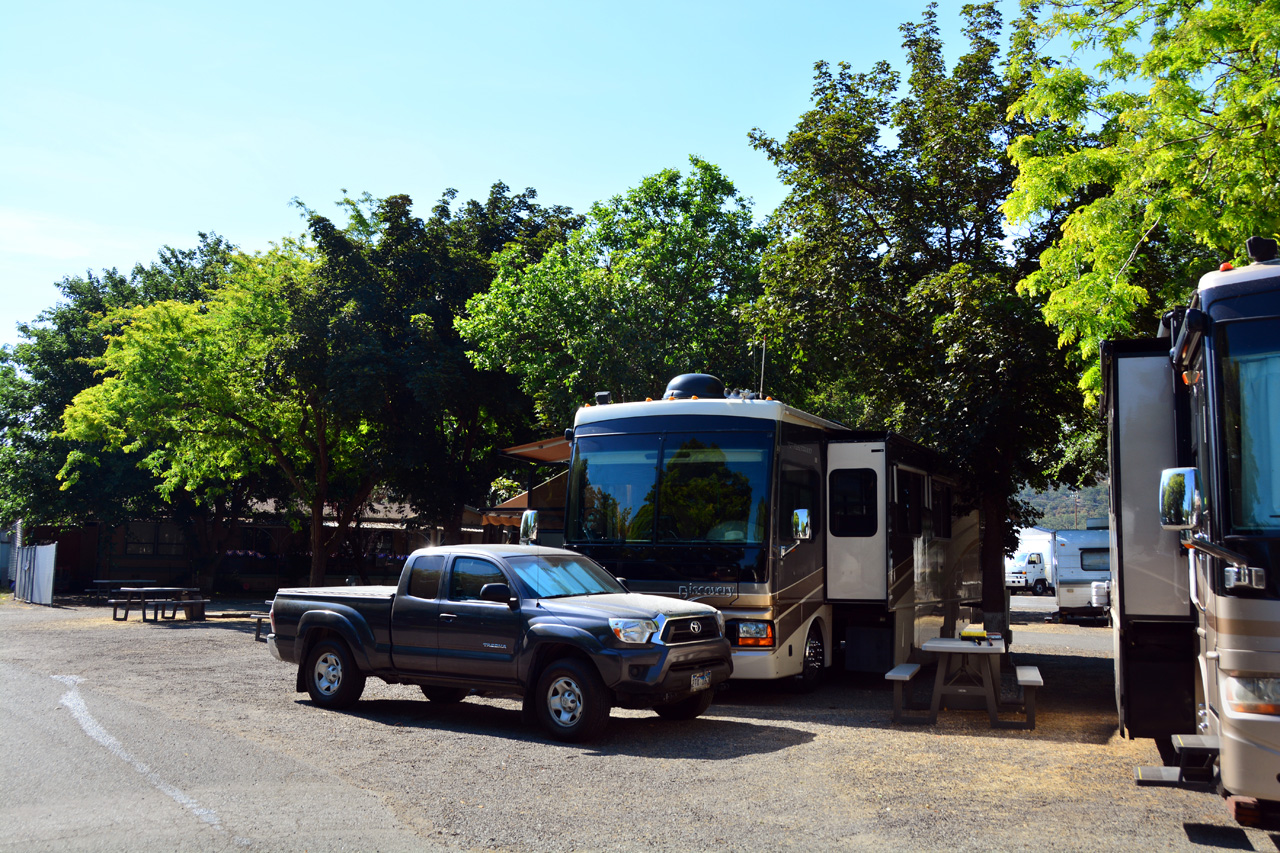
pixel 160 599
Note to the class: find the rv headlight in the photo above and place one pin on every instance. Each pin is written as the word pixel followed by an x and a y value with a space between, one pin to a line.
pixel 1253 695
pixel 755 634
pixel 633 630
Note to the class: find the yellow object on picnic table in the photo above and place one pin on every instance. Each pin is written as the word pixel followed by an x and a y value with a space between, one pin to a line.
pixel 973 632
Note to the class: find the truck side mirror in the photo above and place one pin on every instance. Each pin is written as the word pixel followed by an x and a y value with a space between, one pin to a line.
pixel 500 593
pixel 529 527
pixel 1179 498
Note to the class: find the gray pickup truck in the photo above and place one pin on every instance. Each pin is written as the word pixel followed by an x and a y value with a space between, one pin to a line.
pixel 549 624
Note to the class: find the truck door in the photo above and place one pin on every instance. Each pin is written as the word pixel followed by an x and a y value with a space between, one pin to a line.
pixel 415 615
pixel 477 638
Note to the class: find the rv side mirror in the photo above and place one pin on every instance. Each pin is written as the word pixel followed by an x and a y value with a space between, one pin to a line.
pixel 529 527
pixel 1179 498
pixel 800 528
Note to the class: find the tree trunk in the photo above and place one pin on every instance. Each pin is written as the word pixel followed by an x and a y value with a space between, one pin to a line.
pixel 319 545
pixel 993 510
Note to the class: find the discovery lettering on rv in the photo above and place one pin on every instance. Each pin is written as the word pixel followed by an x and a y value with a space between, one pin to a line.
pixel 702 591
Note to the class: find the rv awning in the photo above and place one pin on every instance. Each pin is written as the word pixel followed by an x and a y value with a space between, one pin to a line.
pixel 547 450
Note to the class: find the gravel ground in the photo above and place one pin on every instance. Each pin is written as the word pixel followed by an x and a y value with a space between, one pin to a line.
pixel 762 770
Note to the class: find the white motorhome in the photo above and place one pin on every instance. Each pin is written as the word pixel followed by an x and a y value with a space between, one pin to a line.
pixel 1029 569
pixel 808 536
pixel 1193 416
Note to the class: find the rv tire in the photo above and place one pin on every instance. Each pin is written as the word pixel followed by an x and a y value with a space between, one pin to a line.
pixel 815 659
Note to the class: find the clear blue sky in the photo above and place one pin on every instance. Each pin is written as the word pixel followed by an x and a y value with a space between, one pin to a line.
pixel 128 126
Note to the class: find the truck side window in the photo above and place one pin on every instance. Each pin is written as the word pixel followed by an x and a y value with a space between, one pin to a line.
pixel 469 576
pixel 1033 559
pixel 424 577
pixel 853 502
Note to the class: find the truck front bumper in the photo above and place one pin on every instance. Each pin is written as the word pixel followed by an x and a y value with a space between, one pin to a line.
pixel 658 674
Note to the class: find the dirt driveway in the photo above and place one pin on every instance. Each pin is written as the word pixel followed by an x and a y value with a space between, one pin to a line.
pixel 763 770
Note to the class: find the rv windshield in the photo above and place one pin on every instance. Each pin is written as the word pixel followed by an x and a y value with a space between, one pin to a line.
pixel 1251 393
pixel 672 487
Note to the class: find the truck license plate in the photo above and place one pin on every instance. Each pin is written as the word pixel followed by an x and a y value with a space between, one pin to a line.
pixel 700 681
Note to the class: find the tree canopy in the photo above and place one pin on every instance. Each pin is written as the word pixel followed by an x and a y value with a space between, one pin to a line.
pixel 891 278
pixel 1167 152
pixel 651 286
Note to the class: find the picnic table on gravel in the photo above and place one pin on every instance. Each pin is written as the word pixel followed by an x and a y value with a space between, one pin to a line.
pixel 98 592
pixel 164 601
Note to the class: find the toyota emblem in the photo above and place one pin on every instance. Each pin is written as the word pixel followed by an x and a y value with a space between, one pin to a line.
pixel 695 627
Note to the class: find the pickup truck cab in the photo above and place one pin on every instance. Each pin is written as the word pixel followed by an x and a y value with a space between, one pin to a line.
pixel 549 624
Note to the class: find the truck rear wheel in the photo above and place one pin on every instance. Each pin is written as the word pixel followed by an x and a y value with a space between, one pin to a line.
pixel 333 679
pixel 687 708
pixel 571 701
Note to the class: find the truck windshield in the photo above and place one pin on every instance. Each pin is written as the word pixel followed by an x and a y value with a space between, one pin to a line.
pixel 673 487
pixel 556 576
pixel 1251 394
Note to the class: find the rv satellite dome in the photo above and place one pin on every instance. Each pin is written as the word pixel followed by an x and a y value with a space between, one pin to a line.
pixel 689 385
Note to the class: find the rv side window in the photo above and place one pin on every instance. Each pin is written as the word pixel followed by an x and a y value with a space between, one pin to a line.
pixel 1095 560
pixel 853 502
pixel 941 511
pixel 797 489
pixel 910 505
pixel 424 578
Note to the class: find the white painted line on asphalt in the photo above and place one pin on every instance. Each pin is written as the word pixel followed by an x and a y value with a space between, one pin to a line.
pixel 73 702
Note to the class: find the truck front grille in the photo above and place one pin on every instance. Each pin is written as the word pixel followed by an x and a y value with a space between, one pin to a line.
pixel 684 630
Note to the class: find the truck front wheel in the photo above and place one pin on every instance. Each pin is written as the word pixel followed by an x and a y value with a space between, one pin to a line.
pixel 1040 587
pixel 571 701
pixel 333 679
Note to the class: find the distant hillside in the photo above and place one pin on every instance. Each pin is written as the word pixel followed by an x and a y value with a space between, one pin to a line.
pixel 1066 509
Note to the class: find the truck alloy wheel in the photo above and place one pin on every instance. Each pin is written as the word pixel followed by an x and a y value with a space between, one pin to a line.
pixel 332 677
pixel 572 701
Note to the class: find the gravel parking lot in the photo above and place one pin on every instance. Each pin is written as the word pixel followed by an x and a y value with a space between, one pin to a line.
pixel 210 715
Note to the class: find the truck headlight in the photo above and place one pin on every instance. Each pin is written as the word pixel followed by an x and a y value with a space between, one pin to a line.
pixel 755 634
pixel 633 630
pixel 720 622
pixel 1253 695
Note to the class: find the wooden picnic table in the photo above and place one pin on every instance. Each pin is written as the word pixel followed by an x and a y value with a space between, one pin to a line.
pixel 163 600
pixel 98 591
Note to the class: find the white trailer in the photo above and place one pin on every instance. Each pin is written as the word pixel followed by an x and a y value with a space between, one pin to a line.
pixel 1081 561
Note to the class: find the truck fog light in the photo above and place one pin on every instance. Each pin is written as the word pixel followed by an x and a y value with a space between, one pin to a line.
pixel 1252 695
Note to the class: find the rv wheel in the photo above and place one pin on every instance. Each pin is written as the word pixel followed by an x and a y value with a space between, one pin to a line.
pixel 815 658
pixel 1040 587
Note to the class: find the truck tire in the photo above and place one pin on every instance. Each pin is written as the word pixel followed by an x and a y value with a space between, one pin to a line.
pixel 687 708
pixel 332 677
pixel 1040 587
pixel 815 659
pixel 571 701
pixel 445 695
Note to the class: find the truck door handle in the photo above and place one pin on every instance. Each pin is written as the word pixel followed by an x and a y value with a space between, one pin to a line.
pixel 448 617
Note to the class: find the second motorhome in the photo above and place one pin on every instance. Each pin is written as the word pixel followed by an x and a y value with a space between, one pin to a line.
pixel 807 535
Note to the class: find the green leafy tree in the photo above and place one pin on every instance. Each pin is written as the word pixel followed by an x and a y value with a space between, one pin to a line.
pixel 653 285
pixel 44 372
pixel 892 282
pixel 1168 153
pixel 334 361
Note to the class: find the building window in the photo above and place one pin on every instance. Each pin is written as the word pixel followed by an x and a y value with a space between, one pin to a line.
pixel 148 538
